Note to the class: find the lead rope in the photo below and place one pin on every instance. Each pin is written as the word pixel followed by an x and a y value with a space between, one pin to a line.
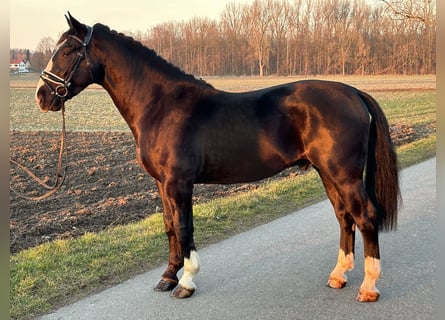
pixel 59 178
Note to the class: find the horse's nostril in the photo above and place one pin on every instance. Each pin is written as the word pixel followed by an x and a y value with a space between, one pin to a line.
pixel 38 95
pixel 40 100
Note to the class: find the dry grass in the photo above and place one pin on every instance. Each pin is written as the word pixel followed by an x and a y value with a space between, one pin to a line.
pixel 367 83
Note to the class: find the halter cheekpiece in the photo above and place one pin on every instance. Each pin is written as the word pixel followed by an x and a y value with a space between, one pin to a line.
pixel 62 85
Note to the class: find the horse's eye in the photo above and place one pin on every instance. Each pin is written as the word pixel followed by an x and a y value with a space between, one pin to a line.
pixel 67 51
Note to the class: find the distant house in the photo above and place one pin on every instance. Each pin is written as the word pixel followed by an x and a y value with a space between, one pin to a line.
pixel 18 66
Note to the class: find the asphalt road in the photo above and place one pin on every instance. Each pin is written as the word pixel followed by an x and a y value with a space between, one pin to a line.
pixel 279 271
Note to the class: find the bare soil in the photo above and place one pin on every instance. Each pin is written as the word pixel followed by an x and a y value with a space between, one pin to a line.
pixel 104 186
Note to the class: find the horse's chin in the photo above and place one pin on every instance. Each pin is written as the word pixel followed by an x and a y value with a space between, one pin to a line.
pixel 56 105
pixel 53 109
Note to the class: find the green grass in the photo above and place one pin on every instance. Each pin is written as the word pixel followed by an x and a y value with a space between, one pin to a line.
pixel 408 107
pixel 417 151
pixel 93 110
pixel 63 269
pixel 51 274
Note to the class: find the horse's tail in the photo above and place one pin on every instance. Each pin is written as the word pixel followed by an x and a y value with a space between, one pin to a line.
pixel 381 179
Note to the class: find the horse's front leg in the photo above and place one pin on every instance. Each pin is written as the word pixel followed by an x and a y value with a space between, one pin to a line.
pixel 178 220
pixel 169 280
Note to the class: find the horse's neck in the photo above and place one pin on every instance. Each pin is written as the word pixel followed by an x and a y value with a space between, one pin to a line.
pixel 130 90
pixel 134 91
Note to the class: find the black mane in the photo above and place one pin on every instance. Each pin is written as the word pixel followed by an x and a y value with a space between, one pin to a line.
pixel 156 60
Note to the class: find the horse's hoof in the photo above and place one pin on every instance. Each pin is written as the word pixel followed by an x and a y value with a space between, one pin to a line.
pixel 181 292
pixel 165 285
pixel 336 283
pixel 368 296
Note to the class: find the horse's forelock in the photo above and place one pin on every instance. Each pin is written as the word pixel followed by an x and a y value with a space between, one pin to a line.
pixel 65 35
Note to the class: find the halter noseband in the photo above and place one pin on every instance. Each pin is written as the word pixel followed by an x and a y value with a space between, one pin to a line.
pixel 63 85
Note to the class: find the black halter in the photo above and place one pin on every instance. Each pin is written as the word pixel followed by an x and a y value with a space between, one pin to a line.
pixel 62 85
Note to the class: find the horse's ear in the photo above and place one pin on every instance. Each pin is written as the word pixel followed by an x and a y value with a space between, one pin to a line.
pixel 75 25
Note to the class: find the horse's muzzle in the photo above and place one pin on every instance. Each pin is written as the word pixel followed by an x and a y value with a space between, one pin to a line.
pixel 46 101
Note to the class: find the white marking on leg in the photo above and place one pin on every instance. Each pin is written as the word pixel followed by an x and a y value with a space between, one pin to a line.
pixel 372 274
pixel 345 263
pixel 191 268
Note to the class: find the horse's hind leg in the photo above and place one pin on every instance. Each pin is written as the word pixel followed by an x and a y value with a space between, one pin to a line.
pixel 364 213
pixel 345 260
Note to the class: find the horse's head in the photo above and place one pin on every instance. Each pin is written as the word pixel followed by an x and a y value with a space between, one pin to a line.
pixel 69 70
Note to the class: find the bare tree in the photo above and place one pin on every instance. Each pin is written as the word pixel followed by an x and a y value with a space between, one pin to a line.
pixel 421 10
pixel 304 37
pixel 419 20
pixel 258 19
pixel 46 45
pixel 201 38
pixel 295 37
pixel 233 29
pixel 165 39
pixel 43 53
pixel 280 20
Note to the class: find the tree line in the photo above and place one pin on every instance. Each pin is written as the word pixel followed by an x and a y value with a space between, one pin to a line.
pixel 299 37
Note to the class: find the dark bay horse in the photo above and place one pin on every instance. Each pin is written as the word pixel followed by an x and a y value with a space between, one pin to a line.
pixel 188 132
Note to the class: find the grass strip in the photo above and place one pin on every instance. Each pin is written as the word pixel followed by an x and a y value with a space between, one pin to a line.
pixel 58 272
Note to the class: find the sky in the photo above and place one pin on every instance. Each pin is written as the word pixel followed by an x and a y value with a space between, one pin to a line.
pixel 31 20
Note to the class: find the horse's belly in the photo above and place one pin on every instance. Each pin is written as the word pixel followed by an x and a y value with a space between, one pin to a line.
pixel 245 169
